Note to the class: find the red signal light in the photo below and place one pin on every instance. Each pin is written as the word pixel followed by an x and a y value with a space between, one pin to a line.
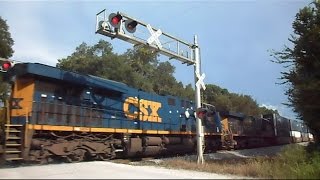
pixel 115 20
pixel 201 113
pixel 6 66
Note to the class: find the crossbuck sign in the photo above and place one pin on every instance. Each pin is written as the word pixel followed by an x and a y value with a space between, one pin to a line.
pixel 200 80
pixel 154 36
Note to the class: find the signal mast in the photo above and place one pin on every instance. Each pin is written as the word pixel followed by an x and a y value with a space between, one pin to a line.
pixel 121 26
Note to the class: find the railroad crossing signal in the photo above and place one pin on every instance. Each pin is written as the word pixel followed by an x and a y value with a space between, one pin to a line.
pixel 201 113
pixel 187 53
pixel 6 64
pixel 121 26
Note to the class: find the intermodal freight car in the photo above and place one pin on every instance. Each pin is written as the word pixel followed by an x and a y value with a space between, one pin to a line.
pixel 55 114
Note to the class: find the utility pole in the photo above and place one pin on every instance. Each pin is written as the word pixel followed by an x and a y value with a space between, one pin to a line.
pixel 121 26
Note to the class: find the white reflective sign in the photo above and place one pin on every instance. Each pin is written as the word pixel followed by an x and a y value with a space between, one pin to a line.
pixel 154 36
pixel 200 80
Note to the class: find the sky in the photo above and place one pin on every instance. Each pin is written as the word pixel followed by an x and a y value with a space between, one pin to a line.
pixel 235 36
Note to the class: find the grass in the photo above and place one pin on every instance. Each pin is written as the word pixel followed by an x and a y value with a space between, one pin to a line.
pixel 294 162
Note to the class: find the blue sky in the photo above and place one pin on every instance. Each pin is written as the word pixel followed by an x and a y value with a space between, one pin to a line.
pixel 234 36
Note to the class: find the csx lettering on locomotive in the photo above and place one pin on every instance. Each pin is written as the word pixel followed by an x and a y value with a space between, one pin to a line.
pixel 143 107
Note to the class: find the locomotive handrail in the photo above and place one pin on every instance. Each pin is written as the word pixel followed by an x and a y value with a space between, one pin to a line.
pixel 7 118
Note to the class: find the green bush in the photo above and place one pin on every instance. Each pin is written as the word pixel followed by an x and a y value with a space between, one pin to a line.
pixel 298 163
pixel 293 162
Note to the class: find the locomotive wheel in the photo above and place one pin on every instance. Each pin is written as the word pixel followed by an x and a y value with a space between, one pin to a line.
pixel 103 157
pixel 76 156
pixel 43 161
pixel 46 160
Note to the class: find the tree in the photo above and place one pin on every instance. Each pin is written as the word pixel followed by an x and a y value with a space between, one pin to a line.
pixel 88 59
pixel 223 100
pixel 264 110
pixel 143 62
pixel 6 51
pixel 163 78
pixel 302 64
pixel 6 42
pixel 189 92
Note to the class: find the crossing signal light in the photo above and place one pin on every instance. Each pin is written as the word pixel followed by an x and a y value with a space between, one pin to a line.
pixel 131 25
pixel 201 113
pixel 6 65
pixel 115 20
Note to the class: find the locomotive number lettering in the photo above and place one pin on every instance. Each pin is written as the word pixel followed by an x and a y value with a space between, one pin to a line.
pixel 143 106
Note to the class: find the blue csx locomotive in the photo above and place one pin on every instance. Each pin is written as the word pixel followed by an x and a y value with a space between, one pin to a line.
pixel 55 114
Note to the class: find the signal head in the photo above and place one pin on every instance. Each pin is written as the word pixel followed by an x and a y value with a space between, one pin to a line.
pixel 115 19
pixel 201 113
pixel 6 65
pixel 131 25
